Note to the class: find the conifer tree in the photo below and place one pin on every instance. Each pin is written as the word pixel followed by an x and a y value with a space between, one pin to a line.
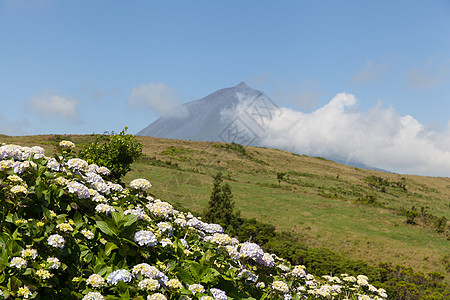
pixel 221 204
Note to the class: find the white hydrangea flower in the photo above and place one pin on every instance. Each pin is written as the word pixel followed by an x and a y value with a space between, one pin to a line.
pixel 24 292
pixel 66 145
pixel 196 288
pixel 164 227
pixel 44 274
pixel 56 241
pixel 165 242
pixel 115 187
pixel 14 178
pixel 77 164
pixel 141 184
pixel 138 211
pixel 99 199
pixel 102 187
pixel 268 261
pixel 29 253
pixel 95 281
pixel 93 296
pixel 18 262
pixel 104 171
pixel 160 209
pixel 55 263
pixel 147 271
pixel 149 284
pixel 64 227
pixel 19 189
pixel 299 271
pixel 104 208
pixel 156 296
pixel 87 234
pixel 362 280
pixel 174 284
pixel 280 286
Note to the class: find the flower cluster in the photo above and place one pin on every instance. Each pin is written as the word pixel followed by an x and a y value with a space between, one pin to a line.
pixel 145 238
pixel 56 241
pixel 81 235
pixel 66 145
pixel 119 275
pixel 141 184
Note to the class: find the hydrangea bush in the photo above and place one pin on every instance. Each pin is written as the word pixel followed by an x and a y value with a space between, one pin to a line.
pixel 67 233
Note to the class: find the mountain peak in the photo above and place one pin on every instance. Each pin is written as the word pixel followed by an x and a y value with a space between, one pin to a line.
pixel 242 85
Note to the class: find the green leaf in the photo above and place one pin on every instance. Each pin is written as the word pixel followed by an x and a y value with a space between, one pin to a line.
pixel 105 228
pixel 78 219
pixel 196 269
pixel 110 247
pixel 184 276
pixel 130 219
pixel 117 218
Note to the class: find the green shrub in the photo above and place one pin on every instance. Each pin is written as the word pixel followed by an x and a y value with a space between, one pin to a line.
pixel 116 152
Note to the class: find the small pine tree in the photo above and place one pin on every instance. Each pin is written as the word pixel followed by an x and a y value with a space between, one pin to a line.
pixel 221 204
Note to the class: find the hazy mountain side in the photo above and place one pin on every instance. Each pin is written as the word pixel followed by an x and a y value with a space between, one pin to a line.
pixel 204 121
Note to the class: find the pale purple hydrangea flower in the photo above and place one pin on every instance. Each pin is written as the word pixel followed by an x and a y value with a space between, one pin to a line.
pixel 119 275
pixel 252 251
pixel 218 294
pixel 145 238
pixel 81 190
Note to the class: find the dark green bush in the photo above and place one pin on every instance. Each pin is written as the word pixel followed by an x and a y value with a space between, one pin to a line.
pixel 116 152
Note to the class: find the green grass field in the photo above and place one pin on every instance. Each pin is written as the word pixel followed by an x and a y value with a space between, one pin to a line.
pixel 326 204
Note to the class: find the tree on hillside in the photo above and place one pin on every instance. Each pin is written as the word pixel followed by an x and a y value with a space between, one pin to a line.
pixel 221 204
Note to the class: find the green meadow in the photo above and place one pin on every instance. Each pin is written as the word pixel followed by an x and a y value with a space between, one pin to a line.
pixel 364 214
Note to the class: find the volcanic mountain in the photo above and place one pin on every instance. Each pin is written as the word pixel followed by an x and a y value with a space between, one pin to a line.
pixel 205 121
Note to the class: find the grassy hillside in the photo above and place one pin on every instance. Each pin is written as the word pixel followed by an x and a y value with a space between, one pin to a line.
pixel 356 212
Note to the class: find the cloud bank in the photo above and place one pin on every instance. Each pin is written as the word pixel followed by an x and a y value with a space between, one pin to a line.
pixel 379 137
pixel 158 97
pixel 51 105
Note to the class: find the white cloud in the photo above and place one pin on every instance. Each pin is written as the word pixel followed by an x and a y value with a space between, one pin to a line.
pixel 158 97
pixel 370 72
pixel 51 105
pixel 430 76
pixel 379 137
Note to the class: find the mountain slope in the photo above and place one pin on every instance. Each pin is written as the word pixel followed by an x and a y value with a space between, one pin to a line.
pixel 203 121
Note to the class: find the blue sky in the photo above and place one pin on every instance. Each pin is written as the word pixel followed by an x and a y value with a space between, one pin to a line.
pixel 72 66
